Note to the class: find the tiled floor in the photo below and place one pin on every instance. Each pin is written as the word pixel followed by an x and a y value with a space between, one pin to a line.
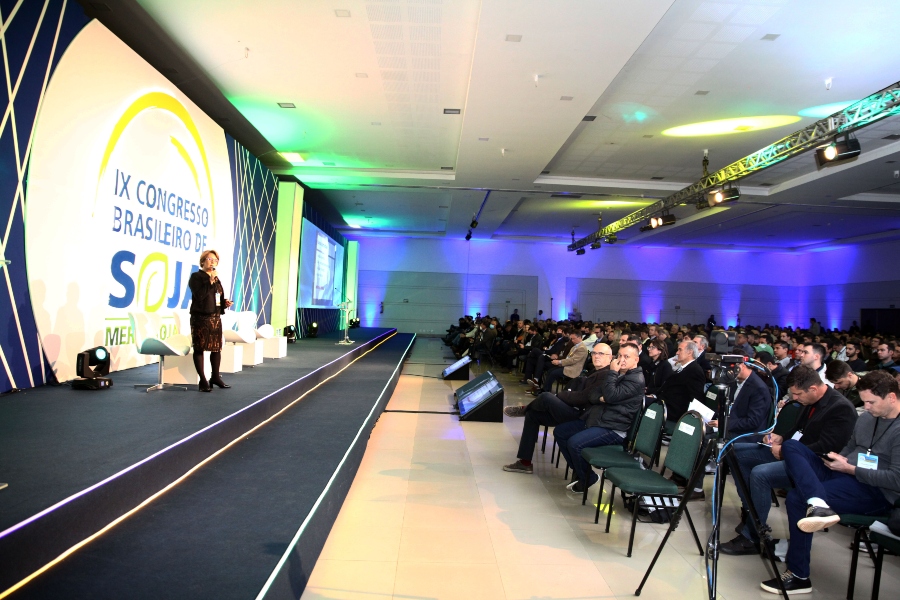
pixel 432 515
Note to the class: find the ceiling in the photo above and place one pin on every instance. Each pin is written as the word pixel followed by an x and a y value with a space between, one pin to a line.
pixel 370 82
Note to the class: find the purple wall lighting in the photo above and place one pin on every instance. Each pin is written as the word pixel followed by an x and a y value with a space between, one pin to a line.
pixel 730 304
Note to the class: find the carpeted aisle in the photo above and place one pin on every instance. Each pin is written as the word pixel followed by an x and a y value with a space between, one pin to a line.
pixel 221 532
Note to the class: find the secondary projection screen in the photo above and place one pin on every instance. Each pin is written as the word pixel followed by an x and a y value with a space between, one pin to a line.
pixel 321 269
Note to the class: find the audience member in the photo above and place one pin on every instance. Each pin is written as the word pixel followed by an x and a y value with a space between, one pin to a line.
pixel 864 478
pixel 685 383
pixel 553 410
pixel 779 373
pixel 883 358
pixel 742 346
pixel 538 358
pixel 844 380
pixel 812 355
pixel 614 404
pixel 570 366
pixel 703 346
pixel 854 357
pixel 659 368
pixel 824 425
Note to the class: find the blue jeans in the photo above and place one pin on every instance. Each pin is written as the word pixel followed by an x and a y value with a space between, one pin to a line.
pixel 548 410
pixel 812 479
pixel 762 473
pixel 573 437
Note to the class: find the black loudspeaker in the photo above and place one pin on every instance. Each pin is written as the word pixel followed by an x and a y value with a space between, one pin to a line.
pixel 481 399
pixel 458 371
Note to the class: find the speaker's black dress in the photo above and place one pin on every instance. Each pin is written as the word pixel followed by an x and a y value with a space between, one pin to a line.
pixel 206 323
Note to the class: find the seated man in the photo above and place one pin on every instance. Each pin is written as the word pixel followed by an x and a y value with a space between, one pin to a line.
pixel 779 373
pixel 685 383
pixel 552 410
pixel 824 425
pixel 844 380
pixel 571 365
pixel 538 359
pixel 854 356
pixel 751 407
pixel 614 404
pixel 813 356
pixel 863 479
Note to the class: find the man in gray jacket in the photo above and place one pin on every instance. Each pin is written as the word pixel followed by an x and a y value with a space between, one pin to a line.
pixel 613 407
pixel 552 410
pixel 863 479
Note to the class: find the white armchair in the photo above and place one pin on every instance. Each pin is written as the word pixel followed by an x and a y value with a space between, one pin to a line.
pixel 274 346
pixel 146 327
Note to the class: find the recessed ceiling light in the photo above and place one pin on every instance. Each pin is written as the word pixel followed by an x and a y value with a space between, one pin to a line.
pixel 287 105
pixel 362 75
pixel 589 118
pixel 446 168
pixel 451 111
pixel 770 37
pixel 889 162
pixel 341 12
pixel 565 98
pixel 657 178
pixel 442 206
pixel 893 136
pixel 648 136
pixel 726 126
pixel 484 139
pixel 545 172
pixel 376 123
pixel 701 92
pixel 515 179
pixel 292 157
pixel 513 38
pixel 766 184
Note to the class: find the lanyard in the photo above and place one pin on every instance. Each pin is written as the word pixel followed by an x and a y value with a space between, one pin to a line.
pixel 875 430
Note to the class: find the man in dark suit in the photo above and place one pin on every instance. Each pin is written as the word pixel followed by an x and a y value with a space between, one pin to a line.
pixel 685 383
pixel 751 407
pixel 825 425
pixel 779 373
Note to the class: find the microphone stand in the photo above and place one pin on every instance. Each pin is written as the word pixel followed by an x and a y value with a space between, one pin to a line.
pixel 345 308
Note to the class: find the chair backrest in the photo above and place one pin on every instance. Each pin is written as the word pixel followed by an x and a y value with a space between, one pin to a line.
pixel 646 441
pixel 685 445
pixel 787 418
pixel 246 320
pixel 146 326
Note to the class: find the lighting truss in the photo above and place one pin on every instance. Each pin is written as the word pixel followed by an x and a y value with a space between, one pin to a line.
pixel 880 105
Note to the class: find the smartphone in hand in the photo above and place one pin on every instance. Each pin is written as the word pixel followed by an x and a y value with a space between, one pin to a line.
pixel 824 456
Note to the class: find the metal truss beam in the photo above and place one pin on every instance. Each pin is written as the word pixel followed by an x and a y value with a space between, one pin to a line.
pixel 875 107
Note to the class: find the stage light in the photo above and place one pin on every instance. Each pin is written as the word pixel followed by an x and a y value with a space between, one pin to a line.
pixel 312 330
pixel 91 366
pixel 595 245
pixel 611 239
pixel 837 151
pixel 728 194
pixel 354 323
pixel 661 221
pixel 473 224
pixel 580 251
pixel 469 235
pixel 645 228
pixel 290 332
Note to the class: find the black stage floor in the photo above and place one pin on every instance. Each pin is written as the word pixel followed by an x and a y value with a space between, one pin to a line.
pixel 56 442
pixel 222 532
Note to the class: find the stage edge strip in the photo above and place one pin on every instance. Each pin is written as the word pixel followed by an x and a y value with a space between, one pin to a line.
pixel 190 472
pixel 312 512
pixel 90 489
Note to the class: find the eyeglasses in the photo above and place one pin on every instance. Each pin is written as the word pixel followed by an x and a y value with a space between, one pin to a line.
pixel 602 353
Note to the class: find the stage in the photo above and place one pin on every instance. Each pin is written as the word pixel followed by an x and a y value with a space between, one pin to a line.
pixel 76 461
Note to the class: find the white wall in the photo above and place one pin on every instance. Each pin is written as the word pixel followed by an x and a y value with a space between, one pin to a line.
pixel 771 286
